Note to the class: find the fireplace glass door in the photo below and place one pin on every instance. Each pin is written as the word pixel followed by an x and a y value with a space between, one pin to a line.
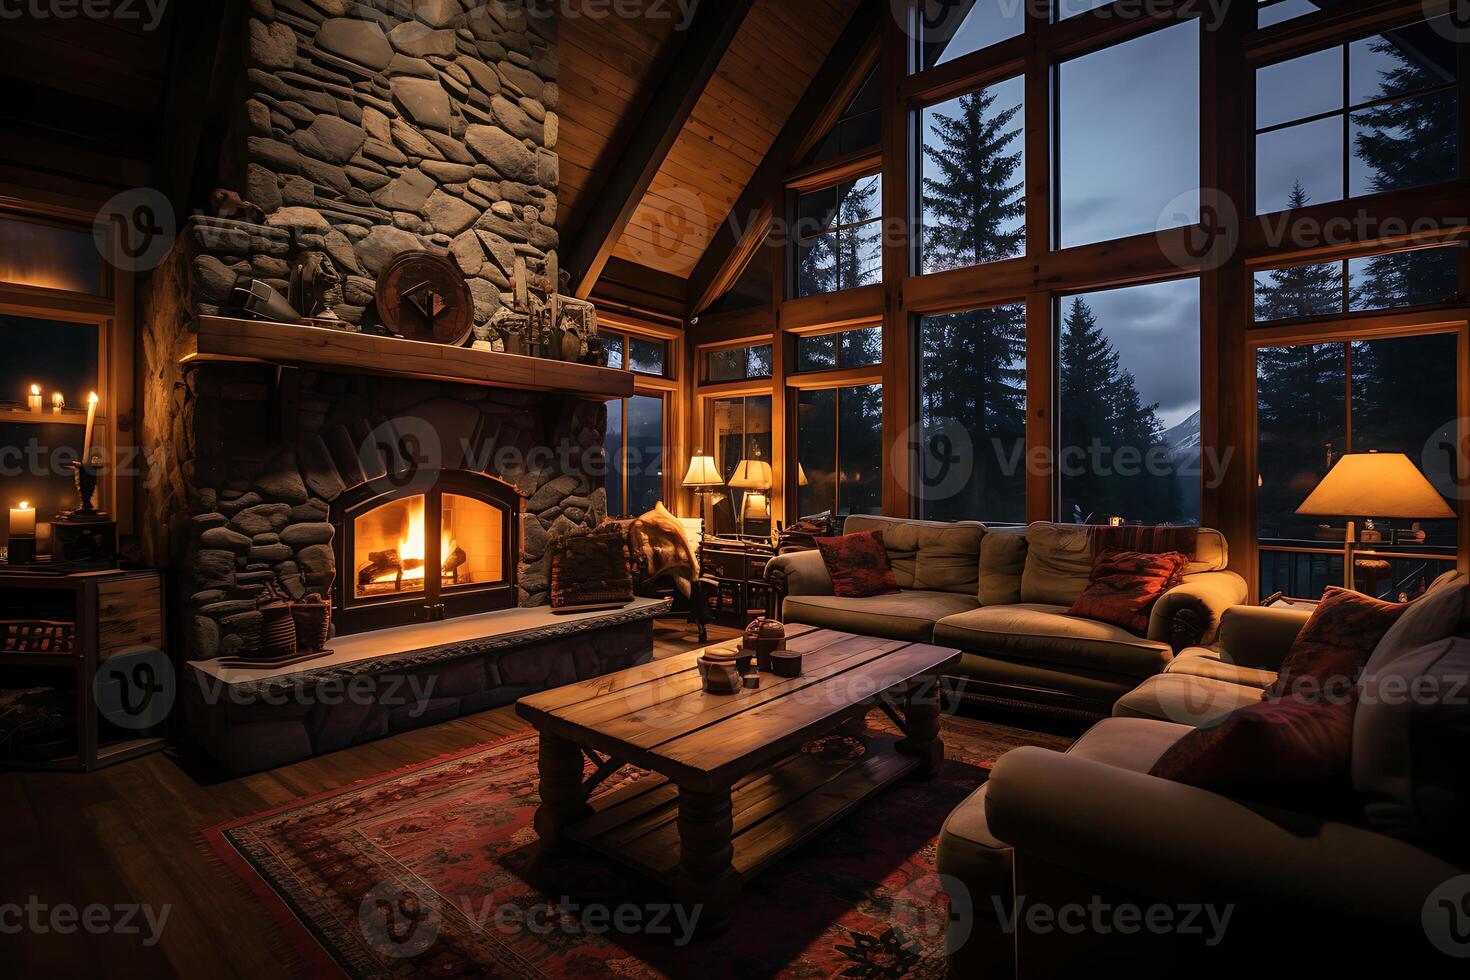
pixel 426 556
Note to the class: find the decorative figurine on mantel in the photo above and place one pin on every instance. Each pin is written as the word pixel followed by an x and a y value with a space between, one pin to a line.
pixel 316 287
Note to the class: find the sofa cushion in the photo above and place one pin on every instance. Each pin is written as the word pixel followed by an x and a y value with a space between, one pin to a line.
pixel 1046 634
pixel 1058 564
pixel 1333 648
pixel 1292 751
pixel 1002 564
pixel 1186 699
pixel 858 564
pixel 928 556
pixel 905 616
pixel 1125 585
pixel 1135 744
pixel 1059 560
pixel 1204 662
pixel 1441 612
pixel 1411 737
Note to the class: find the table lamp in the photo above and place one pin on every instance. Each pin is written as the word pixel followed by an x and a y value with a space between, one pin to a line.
pixel 702 478
pixel 753 476
pixel 1374 485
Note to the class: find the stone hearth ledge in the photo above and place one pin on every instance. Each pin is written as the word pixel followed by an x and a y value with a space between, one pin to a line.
pixel 405 648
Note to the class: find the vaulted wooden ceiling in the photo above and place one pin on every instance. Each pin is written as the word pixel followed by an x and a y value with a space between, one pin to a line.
pixel 611 71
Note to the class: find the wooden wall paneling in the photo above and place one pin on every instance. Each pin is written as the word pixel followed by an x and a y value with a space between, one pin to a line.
pixel 659 126
pixel 1228 503
pixel 784 498
pixel 1041 306
pixel 900 459
pixel 850 307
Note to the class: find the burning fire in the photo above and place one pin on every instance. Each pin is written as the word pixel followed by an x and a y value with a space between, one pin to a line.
pixel 412 545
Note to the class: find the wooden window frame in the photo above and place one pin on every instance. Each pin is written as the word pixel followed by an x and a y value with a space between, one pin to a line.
pixel 111 312
pixel 1378 223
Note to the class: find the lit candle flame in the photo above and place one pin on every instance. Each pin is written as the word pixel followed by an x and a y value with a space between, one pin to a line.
pixel 25 505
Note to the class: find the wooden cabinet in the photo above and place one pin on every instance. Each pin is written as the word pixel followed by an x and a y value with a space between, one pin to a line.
pixel 734 572
pixel 98 681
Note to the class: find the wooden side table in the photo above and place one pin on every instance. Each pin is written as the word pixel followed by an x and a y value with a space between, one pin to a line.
pixel 103 640
pixel 734 570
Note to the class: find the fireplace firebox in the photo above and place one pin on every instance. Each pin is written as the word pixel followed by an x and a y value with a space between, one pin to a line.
pixel 413 554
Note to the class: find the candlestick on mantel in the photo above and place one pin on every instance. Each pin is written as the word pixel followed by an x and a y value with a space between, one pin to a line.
pixel 58 403
pixel 33 401
pixel 22 521
pixel 91 418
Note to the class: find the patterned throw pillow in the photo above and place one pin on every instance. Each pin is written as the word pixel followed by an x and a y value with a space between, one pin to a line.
pixel 1125 585
pixel 1293 752
pixel 1331 651
pixel 858 564
pixel 590 571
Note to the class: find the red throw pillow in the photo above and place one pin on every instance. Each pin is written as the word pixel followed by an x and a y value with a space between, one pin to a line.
pixel 1333 648
pixel 1125 585
pixel 858 564
pixel 1294 752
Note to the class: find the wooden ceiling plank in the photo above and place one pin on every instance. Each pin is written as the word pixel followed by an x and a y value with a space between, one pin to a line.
pixel 854 54
pixel 708 38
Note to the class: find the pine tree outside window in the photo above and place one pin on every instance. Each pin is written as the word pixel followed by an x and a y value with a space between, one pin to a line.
pixel 1374 282
pixel 973 178
pixel 1128 407
pixel 1373 115
pixel 972 405
pixel 839 237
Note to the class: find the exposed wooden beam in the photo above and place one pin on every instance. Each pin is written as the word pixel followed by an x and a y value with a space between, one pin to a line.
pixel 836 83
pixel 201 55
pixel 677 93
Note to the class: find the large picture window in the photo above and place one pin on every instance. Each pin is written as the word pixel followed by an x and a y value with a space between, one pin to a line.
pixel 950 29
pixel 1317 402
pixel 635 452
pixel 741 430
pixel 1376 114
pixel 1373 282
pixel 862 347
pixel 1128 412
pixel 840 237
pixel 972 171
pixel 1129 137
pixel 972 403
pixel 839 450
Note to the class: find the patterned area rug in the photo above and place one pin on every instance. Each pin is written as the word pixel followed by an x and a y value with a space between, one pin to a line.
pixel 435 872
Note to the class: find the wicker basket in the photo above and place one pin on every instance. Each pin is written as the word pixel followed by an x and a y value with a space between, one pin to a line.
pixel 313 619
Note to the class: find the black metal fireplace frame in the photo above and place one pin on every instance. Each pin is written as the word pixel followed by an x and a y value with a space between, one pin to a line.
pixel 435 602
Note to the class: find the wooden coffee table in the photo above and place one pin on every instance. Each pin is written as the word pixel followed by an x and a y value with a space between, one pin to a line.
pixel 729 789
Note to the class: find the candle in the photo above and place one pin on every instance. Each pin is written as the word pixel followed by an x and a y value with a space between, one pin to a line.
pixel 58 403
pixel 34 401
pixel 22 521
pixel 91 417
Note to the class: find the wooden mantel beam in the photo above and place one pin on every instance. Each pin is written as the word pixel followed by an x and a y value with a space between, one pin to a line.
pixel 842 74
pixel 677 93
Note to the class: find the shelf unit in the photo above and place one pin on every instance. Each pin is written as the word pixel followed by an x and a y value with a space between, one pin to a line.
pixel 116 614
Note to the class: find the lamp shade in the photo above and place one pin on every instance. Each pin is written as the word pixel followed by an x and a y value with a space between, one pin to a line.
pixel 1376 485
pixel 752 474
pixel 703 473
pixel 757 507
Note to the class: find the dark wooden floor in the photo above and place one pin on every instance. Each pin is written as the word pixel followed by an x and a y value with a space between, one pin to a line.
pixel 129 836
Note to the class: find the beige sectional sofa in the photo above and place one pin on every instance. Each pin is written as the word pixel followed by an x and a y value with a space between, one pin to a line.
pixel 1090 827
pixel 1002 596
